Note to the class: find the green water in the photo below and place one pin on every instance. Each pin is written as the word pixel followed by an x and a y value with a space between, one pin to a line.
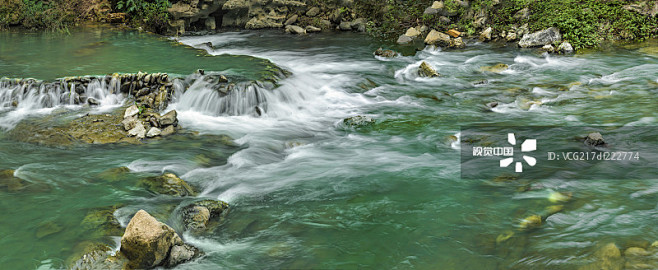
pixel 307 192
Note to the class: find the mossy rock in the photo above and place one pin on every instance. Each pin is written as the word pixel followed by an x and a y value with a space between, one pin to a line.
pixel 204 214
pixel 168 184
pixel 10 182
pixel 102 222
pixel 48 228
pixel 114 174
pixel 497 68
pixel 425 70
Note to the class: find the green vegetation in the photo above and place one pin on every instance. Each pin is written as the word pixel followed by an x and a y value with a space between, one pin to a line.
pixel 34 14
pixel 151 14
pixel 585 23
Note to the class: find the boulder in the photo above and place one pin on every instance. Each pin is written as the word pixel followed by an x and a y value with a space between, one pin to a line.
pixel 154 131
pixel 497 68
pixel 129 122
pixel 359 24
pixel 540 38
pixel 457 43
pixel 511 36
pixel 522 14
pixel 404 39
pixel 565 47
pixel 314 11
pixel 454 33
pixel 168 184
pixel 425 70
pixel 325 24
pixel 292 20
pixel 594 139
pixel 548 48
pixel 294 29
pixel 358 121
pixel 131 111
pixel 385 53
pixel 345 26
pixel 10 182
pixel 102 221
pixel 139 131
pixel 412 32
pixel 196 216
pixel 168 130
pixel 485 35
pixel 437 38
pixel 169 118
pixel 312 29
pixel 148 243
pixel 437 5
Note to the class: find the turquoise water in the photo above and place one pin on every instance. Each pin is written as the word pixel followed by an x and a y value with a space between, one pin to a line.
pixel 307 192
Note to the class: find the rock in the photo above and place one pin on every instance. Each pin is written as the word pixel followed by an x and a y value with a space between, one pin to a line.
pixel 138 131
pixel 565 47
pixel 437 5
pixel 430 11
pixel 325 24
pixel 495 68
pixel 635 252
pixel 114 174
pixel 197 216
pixel 48 228
pixel 358 121
pixel 412 32
pixel 541 38
pixel 454 33
pixel 646 8
pixel 180 254
pixel 548 48
pixel 511 36
pixel 444 19
pixel 131 111
pixel 522 14
pixel 129 122
pixel 168 184
pixel 385 53
pixel 492 105
pixel 457 43
pixel 607 257
pixel 425 70
pixel 10 182
pixel 404 39
pixel 531 222
pixel 314 11
pixel 485 35
pixel 555 197
pixel 154 131
pixel 210 23
pixel 594 139
pixel 93 102
pixel 437 38
pixel 147 243
pixel 102 221
pixel 170 118
pixel 292 20
pixel 294 29
pixel 312 29
pixel 359 24
pixel 345 26
pixel 168 130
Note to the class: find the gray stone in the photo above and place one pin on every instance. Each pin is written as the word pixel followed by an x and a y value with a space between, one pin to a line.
pixel 147 241
pixel 169 118
pixel 345 26
pixel 130 111
pixel 437 38
pixel 540 38
pixel 425 70
pixel 294 29
pixel 168 130
pixel 154 131
pixel 565 47
pixel 314 11
pixel 359 24
pixel 93 102
pixel 548 48
pixel 138 131
pixel 292 20
pixel 358 121
pixel 325 24
pixel 594 139
pixel 457 43
pixel 404 39
pixel 181 253
pixel 312 29
pixel 485 35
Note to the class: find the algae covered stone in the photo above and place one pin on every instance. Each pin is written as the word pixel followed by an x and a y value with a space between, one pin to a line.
pixel 198 215
pixel 425 70
pixel 168 184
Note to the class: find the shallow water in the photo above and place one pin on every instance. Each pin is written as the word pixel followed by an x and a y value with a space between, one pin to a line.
pixel 307 192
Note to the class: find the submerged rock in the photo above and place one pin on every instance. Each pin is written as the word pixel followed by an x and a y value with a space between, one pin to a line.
pixel 497 68
pixel 48 228
pixel 540 38
pixel 425 70
pixel 10 182
pixel 148 243
pixel 531 222
pixel 114 174
pixel 594 139
pixel 198 215
pixel 358 121
pixel 102 221
pixel 168 184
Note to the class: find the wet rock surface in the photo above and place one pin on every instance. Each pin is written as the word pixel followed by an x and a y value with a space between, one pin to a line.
pixel 204 214
pixel 168 184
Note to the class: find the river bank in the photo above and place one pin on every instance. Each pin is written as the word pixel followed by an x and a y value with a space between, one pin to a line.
pixel 582 24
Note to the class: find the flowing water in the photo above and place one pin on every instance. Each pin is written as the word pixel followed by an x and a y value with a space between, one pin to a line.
pixel 309 192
